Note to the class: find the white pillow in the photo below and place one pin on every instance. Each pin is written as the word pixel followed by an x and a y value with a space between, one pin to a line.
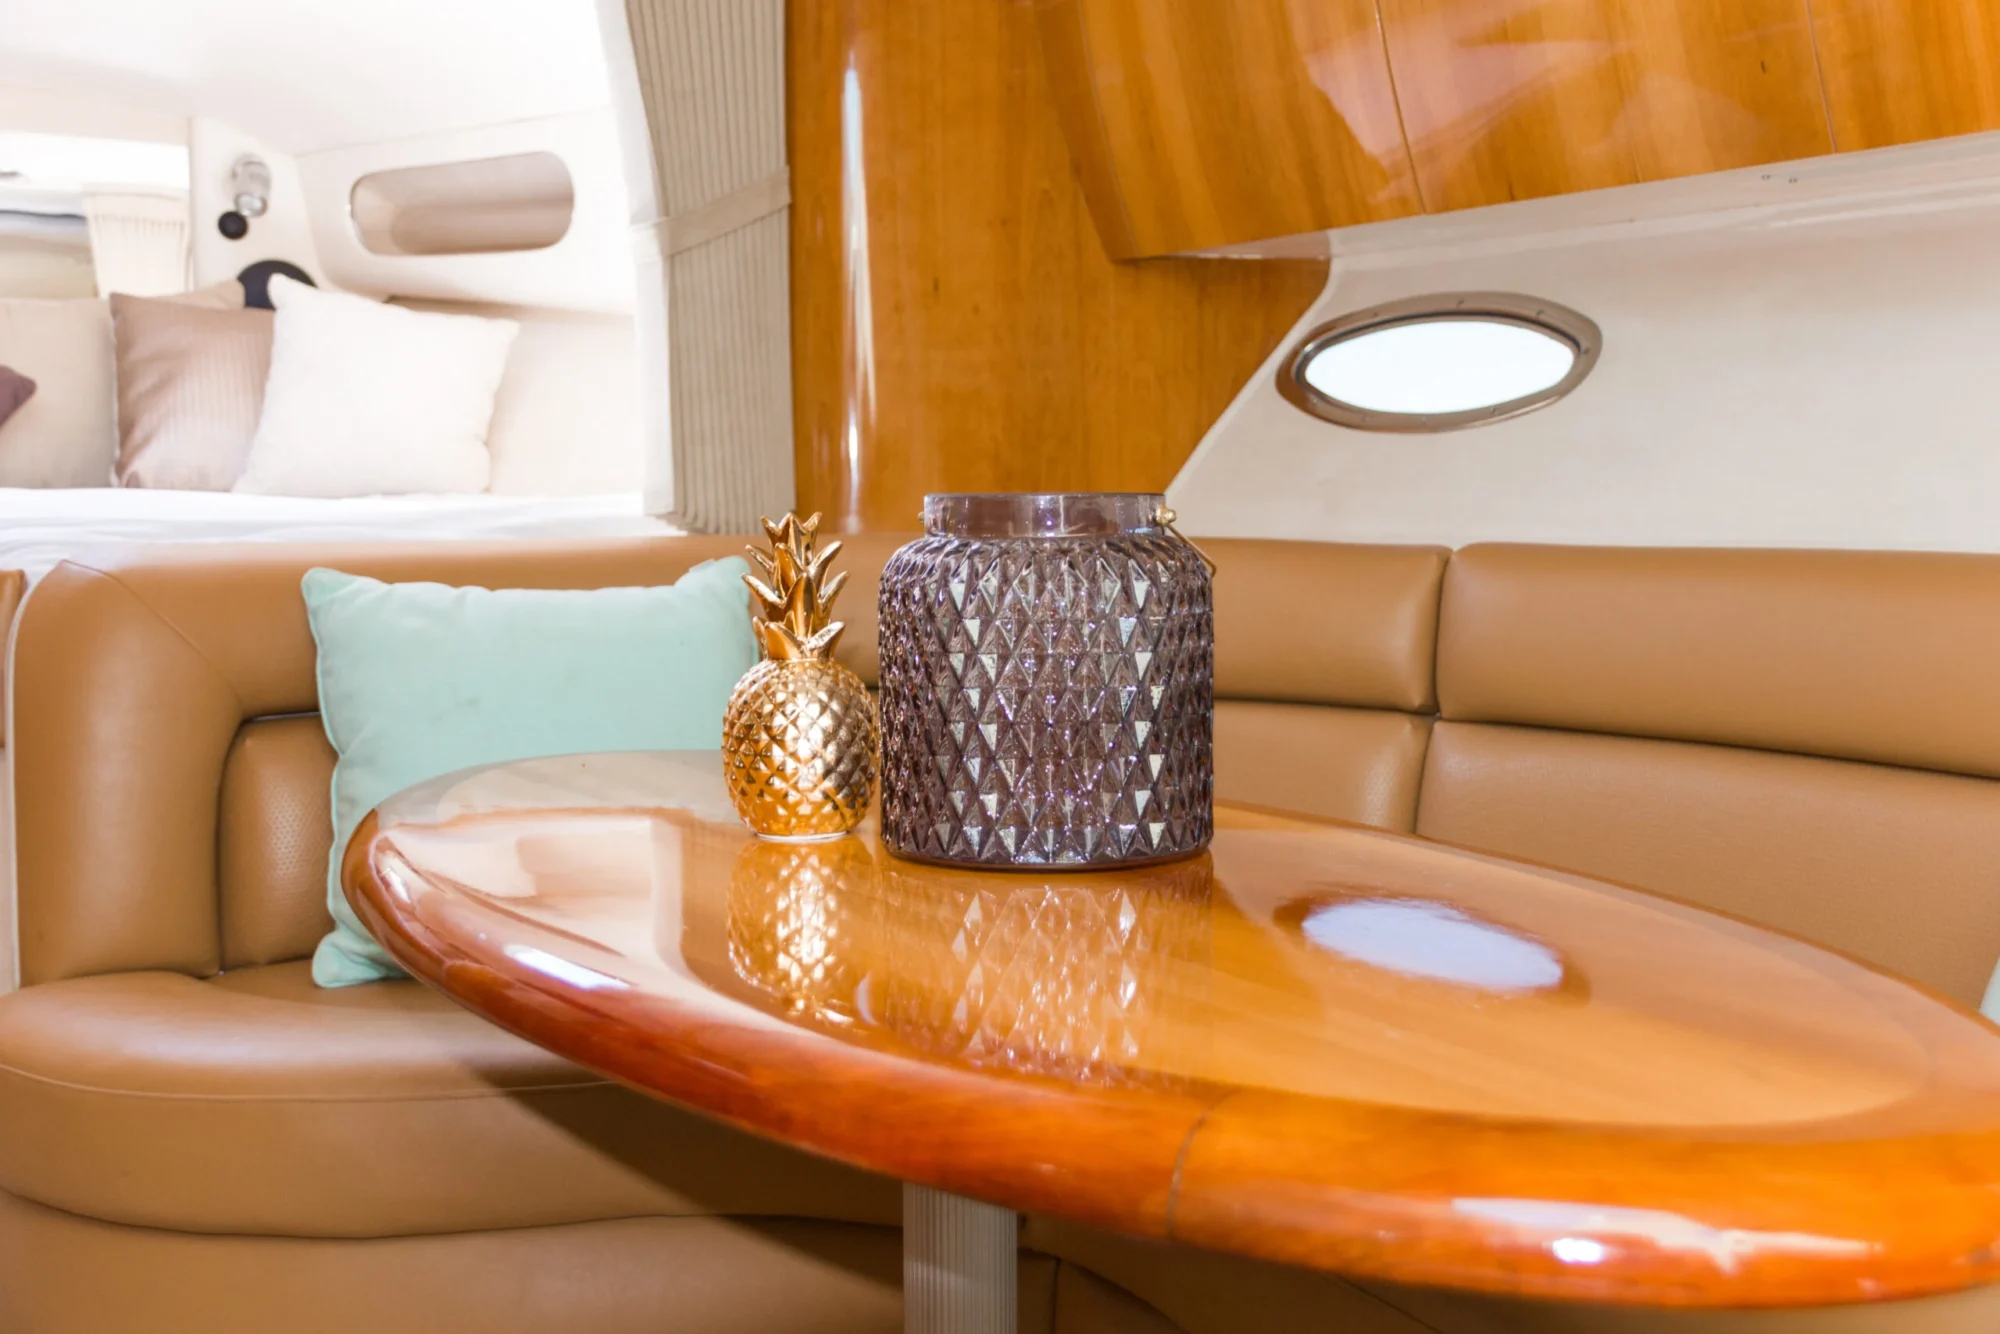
pixel 367 400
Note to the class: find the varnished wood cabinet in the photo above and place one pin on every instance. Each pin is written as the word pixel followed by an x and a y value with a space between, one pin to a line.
pixel 984 190
pixel 1335 112
pixel 956 323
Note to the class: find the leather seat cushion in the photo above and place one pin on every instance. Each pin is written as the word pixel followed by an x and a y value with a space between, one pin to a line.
pixel 1975 1311
pixel 257 1103
pixel 1203 1292
pixel 1892 865
pixel 60 1274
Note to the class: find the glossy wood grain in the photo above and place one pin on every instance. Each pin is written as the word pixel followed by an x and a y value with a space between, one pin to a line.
pixel 1902 71
pixel 1198 125
pixel 1162 94
pixel 1316 1043
pixel 967 173
pixel 1505 101
pixel 957 323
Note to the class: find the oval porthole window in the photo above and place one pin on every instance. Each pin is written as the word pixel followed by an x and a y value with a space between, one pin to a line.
pixel 1440 363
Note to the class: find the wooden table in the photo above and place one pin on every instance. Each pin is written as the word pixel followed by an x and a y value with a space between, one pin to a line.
pixel 1316 1043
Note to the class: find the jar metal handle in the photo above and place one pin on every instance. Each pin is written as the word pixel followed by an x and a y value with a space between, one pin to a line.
pixel 1166 519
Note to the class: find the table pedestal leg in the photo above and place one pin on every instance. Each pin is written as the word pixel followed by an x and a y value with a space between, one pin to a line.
pixel 958 1264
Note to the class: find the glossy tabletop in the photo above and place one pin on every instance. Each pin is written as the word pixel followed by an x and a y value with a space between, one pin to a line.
pixel 1315 1043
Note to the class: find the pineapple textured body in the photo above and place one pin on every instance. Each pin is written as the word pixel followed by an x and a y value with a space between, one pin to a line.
pixel 798 748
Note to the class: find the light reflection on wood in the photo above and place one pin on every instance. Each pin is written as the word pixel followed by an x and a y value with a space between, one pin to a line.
pixel 1026 1039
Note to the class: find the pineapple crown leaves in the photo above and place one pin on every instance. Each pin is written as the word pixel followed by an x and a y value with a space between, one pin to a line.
pixel 795 596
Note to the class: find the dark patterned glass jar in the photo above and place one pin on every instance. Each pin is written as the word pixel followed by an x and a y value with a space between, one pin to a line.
pixel 1048 690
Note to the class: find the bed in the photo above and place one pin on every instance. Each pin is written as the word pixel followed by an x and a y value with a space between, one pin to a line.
pixel 40 528
pixel 163 394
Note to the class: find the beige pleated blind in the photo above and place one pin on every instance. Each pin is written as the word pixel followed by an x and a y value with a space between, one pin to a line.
pixel 138 242
pixel 699 88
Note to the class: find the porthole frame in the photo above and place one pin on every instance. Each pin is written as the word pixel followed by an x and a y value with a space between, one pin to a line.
pixel 430 210
pixel 1570 327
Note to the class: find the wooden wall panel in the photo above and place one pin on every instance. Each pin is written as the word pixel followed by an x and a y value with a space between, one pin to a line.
pixel 1901 71
pixel 1503 100
pixel 1157 93
pixel 957 324
pixel 1198 124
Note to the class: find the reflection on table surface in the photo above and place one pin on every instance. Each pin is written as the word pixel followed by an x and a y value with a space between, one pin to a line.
pixel 1296 955
pixel 1314 1043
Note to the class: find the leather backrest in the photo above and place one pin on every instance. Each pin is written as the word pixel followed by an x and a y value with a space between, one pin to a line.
pixel 132 682
pixel 274 829
pixel 1863 655
pixel 173 776
pixel 1892 865
pixel 1323 675
pixel 1362 765
pixel 1326 623
pixel 1803 738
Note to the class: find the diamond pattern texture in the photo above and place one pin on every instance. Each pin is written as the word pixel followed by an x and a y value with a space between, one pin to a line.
pixel 1047 701
pixel 798 748
pixel 1070 977
pixel 1063 980
pixel 791 924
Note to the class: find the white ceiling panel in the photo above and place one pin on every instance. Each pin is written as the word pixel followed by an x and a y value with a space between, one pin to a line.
pixel 310 75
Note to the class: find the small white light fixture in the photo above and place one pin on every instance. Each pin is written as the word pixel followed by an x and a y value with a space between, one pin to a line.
pixel 250 183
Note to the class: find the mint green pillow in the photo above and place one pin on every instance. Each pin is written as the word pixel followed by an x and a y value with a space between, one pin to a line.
pixel 420 680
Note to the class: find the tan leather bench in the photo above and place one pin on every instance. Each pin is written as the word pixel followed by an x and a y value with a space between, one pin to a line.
pixel 193 1137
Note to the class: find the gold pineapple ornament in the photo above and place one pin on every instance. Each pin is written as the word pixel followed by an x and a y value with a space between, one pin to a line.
pixel 800 924
pixel 799 738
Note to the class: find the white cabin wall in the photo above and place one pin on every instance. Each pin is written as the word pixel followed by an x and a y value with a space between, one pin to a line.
pixel 309 75
pixel 46 270
pixel 1815 373
pixel 568 420
pixel 56 110
pixel 589 269
pixel 284 232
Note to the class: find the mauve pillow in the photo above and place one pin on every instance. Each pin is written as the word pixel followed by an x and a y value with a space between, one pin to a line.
pixel 15 389
pixel 225 295
pixel 190 388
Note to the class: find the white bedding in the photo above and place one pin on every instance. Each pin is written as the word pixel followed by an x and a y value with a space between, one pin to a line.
pixel 40 528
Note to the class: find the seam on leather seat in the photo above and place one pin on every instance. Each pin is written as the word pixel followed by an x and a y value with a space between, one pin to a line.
pixel 1434 703
pixel 1740 747
pixel 1341 706
pixel 34 889
pixel 340 1239
pixel 441 1096
pixel 1747 747
pixel 1380 1300
pixel 163 619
